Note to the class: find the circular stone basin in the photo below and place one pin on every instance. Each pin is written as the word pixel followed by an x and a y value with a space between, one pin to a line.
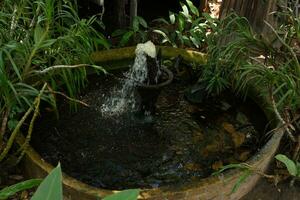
pixel 167 155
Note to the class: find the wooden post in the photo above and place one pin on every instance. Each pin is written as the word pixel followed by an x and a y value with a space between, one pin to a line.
pixel 256 11
pixel 203 7
pixel 133 10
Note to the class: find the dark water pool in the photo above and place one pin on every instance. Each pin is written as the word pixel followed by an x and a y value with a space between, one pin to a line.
pixel 182 142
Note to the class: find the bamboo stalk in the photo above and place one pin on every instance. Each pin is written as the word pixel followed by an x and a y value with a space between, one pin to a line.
pixel 70 99
pixel 30 129
pixel 282 121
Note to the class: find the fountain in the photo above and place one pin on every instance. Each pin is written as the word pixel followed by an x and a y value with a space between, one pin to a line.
pixel 107 148
pixel 146 77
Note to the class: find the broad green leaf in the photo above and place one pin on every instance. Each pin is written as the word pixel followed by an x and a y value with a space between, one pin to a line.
pixel 131 194
pixel 181 23
pixel 185 10
pixel 195 41
pixel 103 41
pixel 142 22
pixel 38 35
pixel 192 8
pixel 11 190
pixel 12 123
pixel 172 17
pixel 125 38
pixel 51 187
pixel 162 34
pixel 290 165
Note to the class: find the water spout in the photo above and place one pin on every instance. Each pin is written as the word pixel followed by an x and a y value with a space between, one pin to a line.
pixel 145 71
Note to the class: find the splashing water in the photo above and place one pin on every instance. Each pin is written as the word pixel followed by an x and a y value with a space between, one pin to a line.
pixel 123 99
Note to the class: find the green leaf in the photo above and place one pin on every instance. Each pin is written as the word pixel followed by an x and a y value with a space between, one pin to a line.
pixel 195 41
pixel 15 67
pixel 126 37
pixel 12 123
pixel 103 41
pixel 99 68
pixel 241 180
pixel 25 185
pixel 181 23
pixel 230 166
pixel 131 194
pixel 290 165
pixel 142 22
pixel 185 10
pixel 172 17
pixel 38 35
pixel 48 43
pixel 163 34
pixel 192 8
pixel 51 187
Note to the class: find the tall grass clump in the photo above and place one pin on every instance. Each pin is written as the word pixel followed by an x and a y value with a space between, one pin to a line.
pixel 44 49
pixel 240 57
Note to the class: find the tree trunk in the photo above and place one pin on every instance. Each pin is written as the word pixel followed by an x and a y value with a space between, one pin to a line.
pixel 256 11
pixel 115 14
pixel 133 10
pixel 203 7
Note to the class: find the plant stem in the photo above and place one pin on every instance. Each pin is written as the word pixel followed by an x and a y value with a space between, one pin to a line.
pixel 20 123
pixel 295 58
pixel 60 67
pixel 3 127
pixel 297 149
pixel 69 98
pixel 282 121
pixel 34 50
pixel 30 129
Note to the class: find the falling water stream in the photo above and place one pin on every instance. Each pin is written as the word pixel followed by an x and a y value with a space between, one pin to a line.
pixel 124 99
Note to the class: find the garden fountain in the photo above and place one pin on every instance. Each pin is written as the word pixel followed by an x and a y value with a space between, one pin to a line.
pixel 146 77
pixel 170 158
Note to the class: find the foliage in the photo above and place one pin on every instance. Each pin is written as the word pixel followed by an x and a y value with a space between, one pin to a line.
pixel 186 28
pixel 137 32
pixel 7 192
pixel 41 42
pixel 293 167
pixel 245 168
pixel 239 57
pixel 51 187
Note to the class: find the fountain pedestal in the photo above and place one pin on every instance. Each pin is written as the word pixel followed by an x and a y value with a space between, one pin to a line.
pixel 149 93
